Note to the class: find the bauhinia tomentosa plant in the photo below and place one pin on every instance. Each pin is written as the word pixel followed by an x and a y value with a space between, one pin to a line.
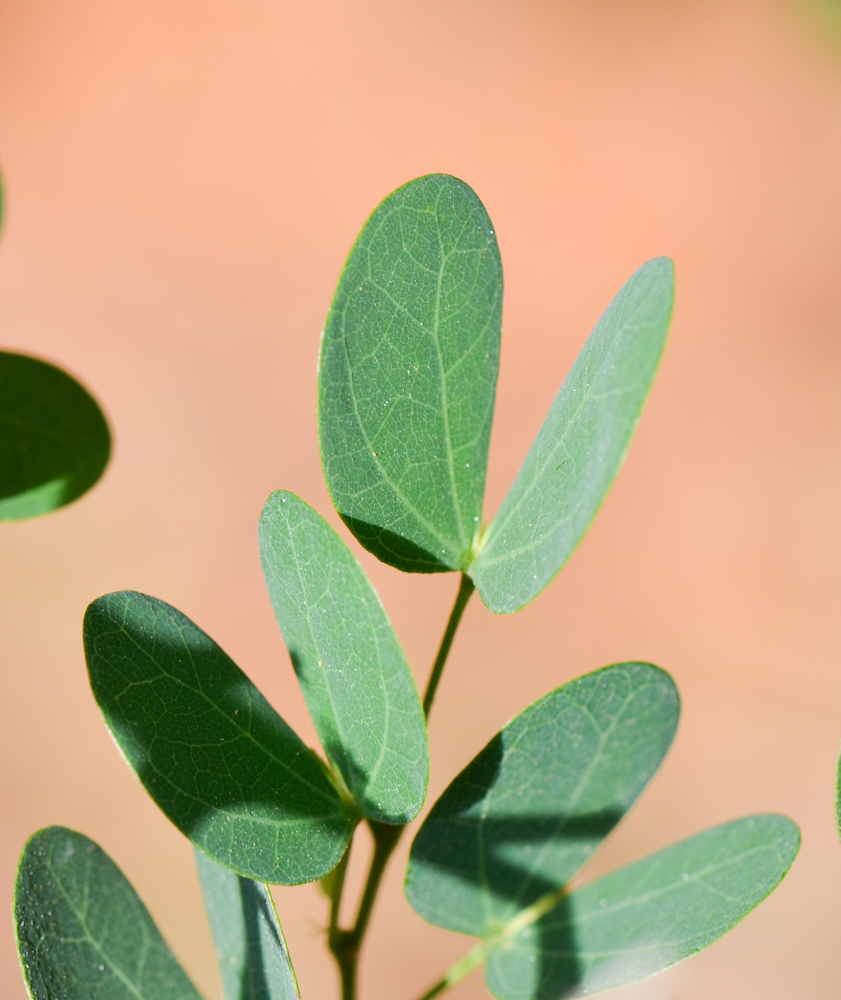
pixel 406 387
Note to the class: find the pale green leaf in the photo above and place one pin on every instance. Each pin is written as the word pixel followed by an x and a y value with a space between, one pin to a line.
pixel 354 675
pixel 407 376
pixel 54 441
pixel 208 747
pixel 253 958
pixel 82 931
pixel 646 917
pixel 529 810
pixel 580 446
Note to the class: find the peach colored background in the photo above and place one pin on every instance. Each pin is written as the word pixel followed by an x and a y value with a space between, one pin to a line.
pixel 184 180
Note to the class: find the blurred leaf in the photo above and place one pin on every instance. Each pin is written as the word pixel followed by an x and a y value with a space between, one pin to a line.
pixel 82 931
pixel 407 376
pixel 646 917
pixel 355 678
pixel 253 958
pixel 208 747
pixel 580 446
pixel 54 441
pixel 526 814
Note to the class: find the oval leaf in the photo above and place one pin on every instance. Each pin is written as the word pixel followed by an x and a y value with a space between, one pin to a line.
pixel 253 958
pixel 355 678
pixel 54 441
pixel 407 376
pixel 208 747
pixel 82 931
pixel 580 446
pixel 526 814
pixel 647 917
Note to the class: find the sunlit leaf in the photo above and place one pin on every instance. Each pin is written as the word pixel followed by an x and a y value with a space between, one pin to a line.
pixel 580 446
pixel 526 814
pixel 646 917
pixel 353 673
pixel 82 931
pixel 407 376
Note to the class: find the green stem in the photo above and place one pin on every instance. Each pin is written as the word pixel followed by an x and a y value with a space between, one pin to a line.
pixel 336 937
pixel 457 972
pixel 465 589
pixel 346 944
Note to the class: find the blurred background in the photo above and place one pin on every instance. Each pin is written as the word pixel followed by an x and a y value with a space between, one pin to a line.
pixel 184 180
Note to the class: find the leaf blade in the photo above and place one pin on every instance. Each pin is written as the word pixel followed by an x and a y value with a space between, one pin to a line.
pixel 208 747
pixel 54 439
pixel 251 950
pixel 82 931
pixel 407 375
pixel 353 673
pixel 580 446
pixel 652 916
pixel 529 810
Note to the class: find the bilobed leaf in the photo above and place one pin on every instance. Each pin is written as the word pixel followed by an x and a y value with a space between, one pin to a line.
pixel 529 810
pixel 407 376
pixel 354 675
pixel 208 747
pixel 646 917
pixel 253 958
pixel 580 446
pixel 82 931
pixel 54 441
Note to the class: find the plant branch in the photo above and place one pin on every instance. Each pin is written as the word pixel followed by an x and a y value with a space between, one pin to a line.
pixel 336 937
pixel 346 943
pixel 465 589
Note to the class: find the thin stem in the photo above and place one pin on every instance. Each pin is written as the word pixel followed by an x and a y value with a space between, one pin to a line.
pixel 345 944
pixel 457 972
pixel 336 937
pixel 465 589
pixel 385 840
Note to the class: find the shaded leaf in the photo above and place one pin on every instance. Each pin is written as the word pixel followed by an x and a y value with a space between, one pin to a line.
pixel 54 441
pixel 529 810
pixel 646 917
pixel 407 376
pixel 82 931
pixel 253 958
pixel 580 446
pixel 354 675
pixel 208 747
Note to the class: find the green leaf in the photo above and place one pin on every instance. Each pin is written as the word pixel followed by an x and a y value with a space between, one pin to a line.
pixel 580 446
pixel 208 747
pixel 407 376
pixel 355 678
pixel 54 441
pixel 529 810
pixel 82 931
pixel 838 796
pixel 646 917
pixel 253 957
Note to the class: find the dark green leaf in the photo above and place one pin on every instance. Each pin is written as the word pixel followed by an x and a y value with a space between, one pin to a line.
pixel 407 376
pixel 54 441
pixel 354 676
pixel 526 814
pixel 208 747
pixel 580 446
pixel 253 957
pixel 82 931
pixel 646 917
